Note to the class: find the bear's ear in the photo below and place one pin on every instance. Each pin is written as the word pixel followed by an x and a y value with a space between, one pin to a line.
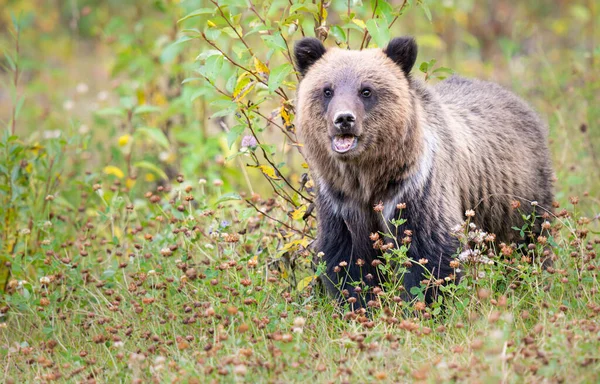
pixel 307 51
pixel 403 51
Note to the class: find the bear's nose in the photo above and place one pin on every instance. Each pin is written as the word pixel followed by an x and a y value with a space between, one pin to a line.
pixel 344 120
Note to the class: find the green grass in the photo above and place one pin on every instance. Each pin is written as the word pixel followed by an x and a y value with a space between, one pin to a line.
pixel 114 268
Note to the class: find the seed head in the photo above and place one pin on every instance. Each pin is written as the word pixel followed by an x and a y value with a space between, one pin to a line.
pixel 378 207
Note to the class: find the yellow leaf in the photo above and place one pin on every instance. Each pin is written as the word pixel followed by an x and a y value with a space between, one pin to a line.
pixel 287 119
pixel 262 69
pixel 269 171
pixel 211 24
pixel 112 170
pixel 304 165
pixel 129 183
pixel 141 97
pixel 360 23
pixel 123 140
pixel 302 284
pixel 294 245
pixel 149 177
pixel 36 148
pixel 284 273
pixel 159 99
pixel 299 213
pixel 243 86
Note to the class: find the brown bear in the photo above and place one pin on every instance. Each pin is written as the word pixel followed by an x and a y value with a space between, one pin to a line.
pixel 372 133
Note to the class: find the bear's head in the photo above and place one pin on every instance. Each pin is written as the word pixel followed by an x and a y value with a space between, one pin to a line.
pixel 352 105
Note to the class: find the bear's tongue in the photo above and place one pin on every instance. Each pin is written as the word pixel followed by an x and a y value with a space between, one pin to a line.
pixel 343 143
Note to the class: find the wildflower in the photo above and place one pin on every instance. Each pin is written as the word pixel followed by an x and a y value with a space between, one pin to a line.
pixel 102 96
pixel 249 141
pixel 82 88
pixel 490 237
pixel 68 105
pixel 218 183
pixel 470 213
pixel 546 225
pixel 574 200
pixel 201 181
pixel 52 134
pixel 253 262
pixel 515 204
pixel 401 206
pixel 25 231
pixel 374 236
pixel 124 140
pixel 166 252
pixel 378 207
pixel 454 264
pixel 534 203
pixel 45 280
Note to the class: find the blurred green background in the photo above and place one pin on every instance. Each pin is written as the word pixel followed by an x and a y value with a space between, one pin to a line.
pixel 86 65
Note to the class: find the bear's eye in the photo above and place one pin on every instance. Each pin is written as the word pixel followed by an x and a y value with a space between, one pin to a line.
pixel 328 93
pixel 365 93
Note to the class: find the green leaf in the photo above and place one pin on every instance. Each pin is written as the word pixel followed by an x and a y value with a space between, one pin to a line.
pixel 338 33
pixel 379 33
pixel 234 133
pixel 151 167
pixel 227 197
pixel 146 109
pixel 278 74
pixel 426 10
pixel 154 134
pixel 111 111
pixel 275 42
pixel 196 13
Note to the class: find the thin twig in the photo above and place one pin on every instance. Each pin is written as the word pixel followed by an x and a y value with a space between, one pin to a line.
pixel 270 162
pixel 279 91
pixel 232 27
pixel 276 220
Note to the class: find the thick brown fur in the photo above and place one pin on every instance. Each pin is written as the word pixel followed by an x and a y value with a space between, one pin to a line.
pixel 461 144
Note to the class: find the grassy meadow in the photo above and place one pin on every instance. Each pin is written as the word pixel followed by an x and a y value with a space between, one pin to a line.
pixel 156 215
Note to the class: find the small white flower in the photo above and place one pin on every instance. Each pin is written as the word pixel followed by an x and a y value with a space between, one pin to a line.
pixel 25 231
pixel 82 88
pixel 52 134
pixel 68 105
pixel 151 272
pixel 102 96
pixel 164 156
pixel 470 213
pixel 534 203
pixel 45 280
pixel 83 129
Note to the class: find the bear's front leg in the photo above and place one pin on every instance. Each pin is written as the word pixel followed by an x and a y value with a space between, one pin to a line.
pixel 349 273
pixel 430 253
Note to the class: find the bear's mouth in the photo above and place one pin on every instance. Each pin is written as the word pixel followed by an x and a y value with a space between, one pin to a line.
pixel 344 143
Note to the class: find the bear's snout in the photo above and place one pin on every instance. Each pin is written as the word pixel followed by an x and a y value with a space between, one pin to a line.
pixel 344 121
